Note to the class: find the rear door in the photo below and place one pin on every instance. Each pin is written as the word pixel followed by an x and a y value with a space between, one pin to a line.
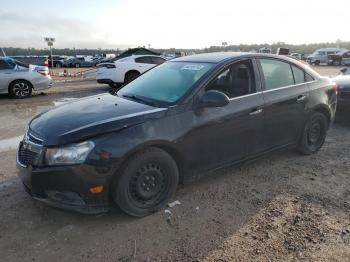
pixel 286 94
pixel 144 63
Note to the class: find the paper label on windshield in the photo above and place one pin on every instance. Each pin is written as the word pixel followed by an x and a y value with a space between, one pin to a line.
pixel 192 67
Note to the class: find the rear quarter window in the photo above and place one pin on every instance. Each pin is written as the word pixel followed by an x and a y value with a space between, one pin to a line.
pixel 299 75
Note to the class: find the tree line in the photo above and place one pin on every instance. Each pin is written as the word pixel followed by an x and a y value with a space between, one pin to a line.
pixel 302 49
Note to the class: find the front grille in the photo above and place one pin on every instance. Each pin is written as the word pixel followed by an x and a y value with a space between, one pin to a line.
pixel 26 157
pixel 345 95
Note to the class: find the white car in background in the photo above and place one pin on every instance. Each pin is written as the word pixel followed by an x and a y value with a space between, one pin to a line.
pixel 126 69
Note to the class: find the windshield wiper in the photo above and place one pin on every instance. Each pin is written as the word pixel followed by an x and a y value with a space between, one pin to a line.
pixel 140 99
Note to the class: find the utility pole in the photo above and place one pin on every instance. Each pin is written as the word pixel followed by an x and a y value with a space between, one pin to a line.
pixel 3 52
pixel 50 41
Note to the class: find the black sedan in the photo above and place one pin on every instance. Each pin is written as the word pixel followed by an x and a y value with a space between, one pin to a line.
pixel 343 82
pixel 175 122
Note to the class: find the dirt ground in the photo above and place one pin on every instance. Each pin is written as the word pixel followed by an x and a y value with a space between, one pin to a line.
pixel 281 207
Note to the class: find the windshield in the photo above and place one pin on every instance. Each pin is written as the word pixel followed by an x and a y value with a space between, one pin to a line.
pixel 21 63
pixel 167 82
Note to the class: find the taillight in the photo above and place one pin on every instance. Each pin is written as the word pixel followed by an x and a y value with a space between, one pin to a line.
pixel 43 72
pixel 335 88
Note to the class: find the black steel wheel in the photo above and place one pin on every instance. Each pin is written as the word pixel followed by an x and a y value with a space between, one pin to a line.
pixel 146 182
pixel 20 89
pixel 314 134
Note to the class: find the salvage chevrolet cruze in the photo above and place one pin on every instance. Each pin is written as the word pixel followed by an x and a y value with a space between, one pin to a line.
pixel 178 120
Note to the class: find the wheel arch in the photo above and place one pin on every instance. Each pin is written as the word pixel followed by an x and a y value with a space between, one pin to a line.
pixel 167 146
pixel 323 110
pixel 132 71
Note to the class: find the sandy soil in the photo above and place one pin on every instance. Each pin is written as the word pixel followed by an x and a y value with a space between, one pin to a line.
pixel 281 207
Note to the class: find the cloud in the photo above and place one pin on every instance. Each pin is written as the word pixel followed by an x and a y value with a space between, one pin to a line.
pixel 29 31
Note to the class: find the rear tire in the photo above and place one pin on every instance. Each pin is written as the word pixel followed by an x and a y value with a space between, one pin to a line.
pixel 20 89
pixel 131 76
pixel 314 134
pixel 146 182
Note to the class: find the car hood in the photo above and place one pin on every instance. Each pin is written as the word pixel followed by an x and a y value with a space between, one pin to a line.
pixel 84 118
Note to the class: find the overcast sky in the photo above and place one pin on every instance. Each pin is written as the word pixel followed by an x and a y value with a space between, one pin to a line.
pixel 171 23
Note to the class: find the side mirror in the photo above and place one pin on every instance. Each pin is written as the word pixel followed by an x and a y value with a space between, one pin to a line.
pixel 213 98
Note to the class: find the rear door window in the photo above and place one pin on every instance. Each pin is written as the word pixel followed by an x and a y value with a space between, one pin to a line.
pixel 276 73
pixel 144 60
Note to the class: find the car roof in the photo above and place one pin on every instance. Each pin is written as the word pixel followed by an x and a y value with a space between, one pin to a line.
pixel 136 56
pixel 219 57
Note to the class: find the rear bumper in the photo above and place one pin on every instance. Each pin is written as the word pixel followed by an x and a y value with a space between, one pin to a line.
pixel 44 83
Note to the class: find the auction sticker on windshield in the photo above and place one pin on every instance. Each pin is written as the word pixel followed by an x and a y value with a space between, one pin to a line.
pixel 192 67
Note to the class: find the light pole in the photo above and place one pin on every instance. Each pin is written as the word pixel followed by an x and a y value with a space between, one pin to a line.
pixel 50 41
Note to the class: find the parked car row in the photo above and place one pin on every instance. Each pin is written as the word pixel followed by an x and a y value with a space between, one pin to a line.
pixel 340 58
pixel 330 56
pixel 78 61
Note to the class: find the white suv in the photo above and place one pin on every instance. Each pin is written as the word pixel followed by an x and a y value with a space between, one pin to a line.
pixel 126 69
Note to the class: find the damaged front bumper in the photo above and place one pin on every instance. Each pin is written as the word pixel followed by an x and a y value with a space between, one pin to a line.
pixel 66 187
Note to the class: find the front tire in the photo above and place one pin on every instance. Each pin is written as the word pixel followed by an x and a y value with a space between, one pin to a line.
pixel 20 89
pixel 314 134
pixel 146 183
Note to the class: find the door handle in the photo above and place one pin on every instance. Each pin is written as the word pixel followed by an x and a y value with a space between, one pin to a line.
pixel 301 98
pixel 256 111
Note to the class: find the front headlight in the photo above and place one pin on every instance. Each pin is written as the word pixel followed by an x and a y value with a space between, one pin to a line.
pixel 72 154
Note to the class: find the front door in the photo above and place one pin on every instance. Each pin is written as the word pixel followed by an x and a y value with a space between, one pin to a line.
pixel 228 134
